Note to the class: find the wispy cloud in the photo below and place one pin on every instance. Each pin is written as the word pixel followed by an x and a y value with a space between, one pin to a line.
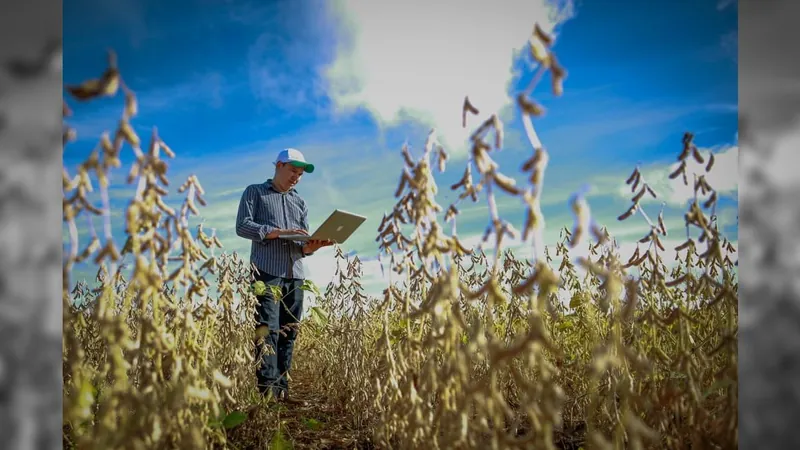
pixel 280 74
pixel 283 62
pixel 730 45
pixel 206 88
pixel 725 50
pixel 725 4
pixel 405 61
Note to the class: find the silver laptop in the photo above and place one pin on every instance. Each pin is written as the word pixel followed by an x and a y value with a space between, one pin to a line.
pixel 337 228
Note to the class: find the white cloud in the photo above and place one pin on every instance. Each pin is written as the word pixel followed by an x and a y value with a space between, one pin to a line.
pixel 723 177
pixel 724 4
pixel 406 59
pixel 321 269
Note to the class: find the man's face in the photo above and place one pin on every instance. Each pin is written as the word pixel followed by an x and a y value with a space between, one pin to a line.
pixel 288 175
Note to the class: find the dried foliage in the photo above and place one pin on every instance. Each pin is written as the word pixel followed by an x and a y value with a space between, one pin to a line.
pixel 464 350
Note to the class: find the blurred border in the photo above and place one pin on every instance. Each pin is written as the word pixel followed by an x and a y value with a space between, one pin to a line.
pixel 30 224
pixel 769 211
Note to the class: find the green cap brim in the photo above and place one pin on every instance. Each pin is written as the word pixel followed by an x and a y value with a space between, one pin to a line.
pixel 308 167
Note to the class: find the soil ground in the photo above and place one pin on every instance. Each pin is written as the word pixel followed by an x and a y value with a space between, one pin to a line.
pixel 318 424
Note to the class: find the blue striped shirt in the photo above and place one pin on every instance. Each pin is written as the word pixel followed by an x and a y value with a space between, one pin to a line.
pixel 263 209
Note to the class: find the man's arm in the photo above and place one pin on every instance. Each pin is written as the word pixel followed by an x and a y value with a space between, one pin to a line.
pixel 246 227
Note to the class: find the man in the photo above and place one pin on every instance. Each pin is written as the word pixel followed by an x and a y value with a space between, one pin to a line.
pixel 266 212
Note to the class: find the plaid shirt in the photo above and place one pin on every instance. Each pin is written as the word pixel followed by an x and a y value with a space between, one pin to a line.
pixel 263 209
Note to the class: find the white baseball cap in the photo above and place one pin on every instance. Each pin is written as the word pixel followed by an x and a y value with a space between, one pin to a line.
pixel 295 158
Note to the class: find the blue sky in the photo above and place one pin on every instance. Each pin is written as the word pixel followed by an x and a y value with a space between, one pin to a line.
pixel 230 83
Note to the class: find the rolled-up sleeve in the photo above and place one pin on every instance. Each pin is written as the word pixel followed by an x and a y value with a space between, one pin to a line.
pixel 246 226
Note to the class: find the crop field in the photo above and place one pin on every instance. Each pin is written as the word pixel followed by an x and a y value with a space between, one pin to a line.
pixel 470 349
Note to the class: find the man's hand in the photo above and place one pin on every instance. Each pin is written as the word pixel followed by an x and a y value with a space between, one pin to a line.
pixel 275 233
pixel 315 244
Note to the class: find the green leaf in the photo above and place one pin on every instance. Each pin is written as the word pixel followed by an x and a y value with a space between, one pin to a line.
pixel 577 300
pixel 402 324
pixel 312 424
pixel 565 325
pixel 234 419
pixel 278 442
pixel 310 286
pixel 319 316
pixel 259 288
pixel 216 422
pixel 276 291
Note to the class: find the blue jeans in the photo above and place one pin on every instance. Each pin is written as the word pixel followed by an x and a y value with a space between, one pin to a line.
pixel 277 314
